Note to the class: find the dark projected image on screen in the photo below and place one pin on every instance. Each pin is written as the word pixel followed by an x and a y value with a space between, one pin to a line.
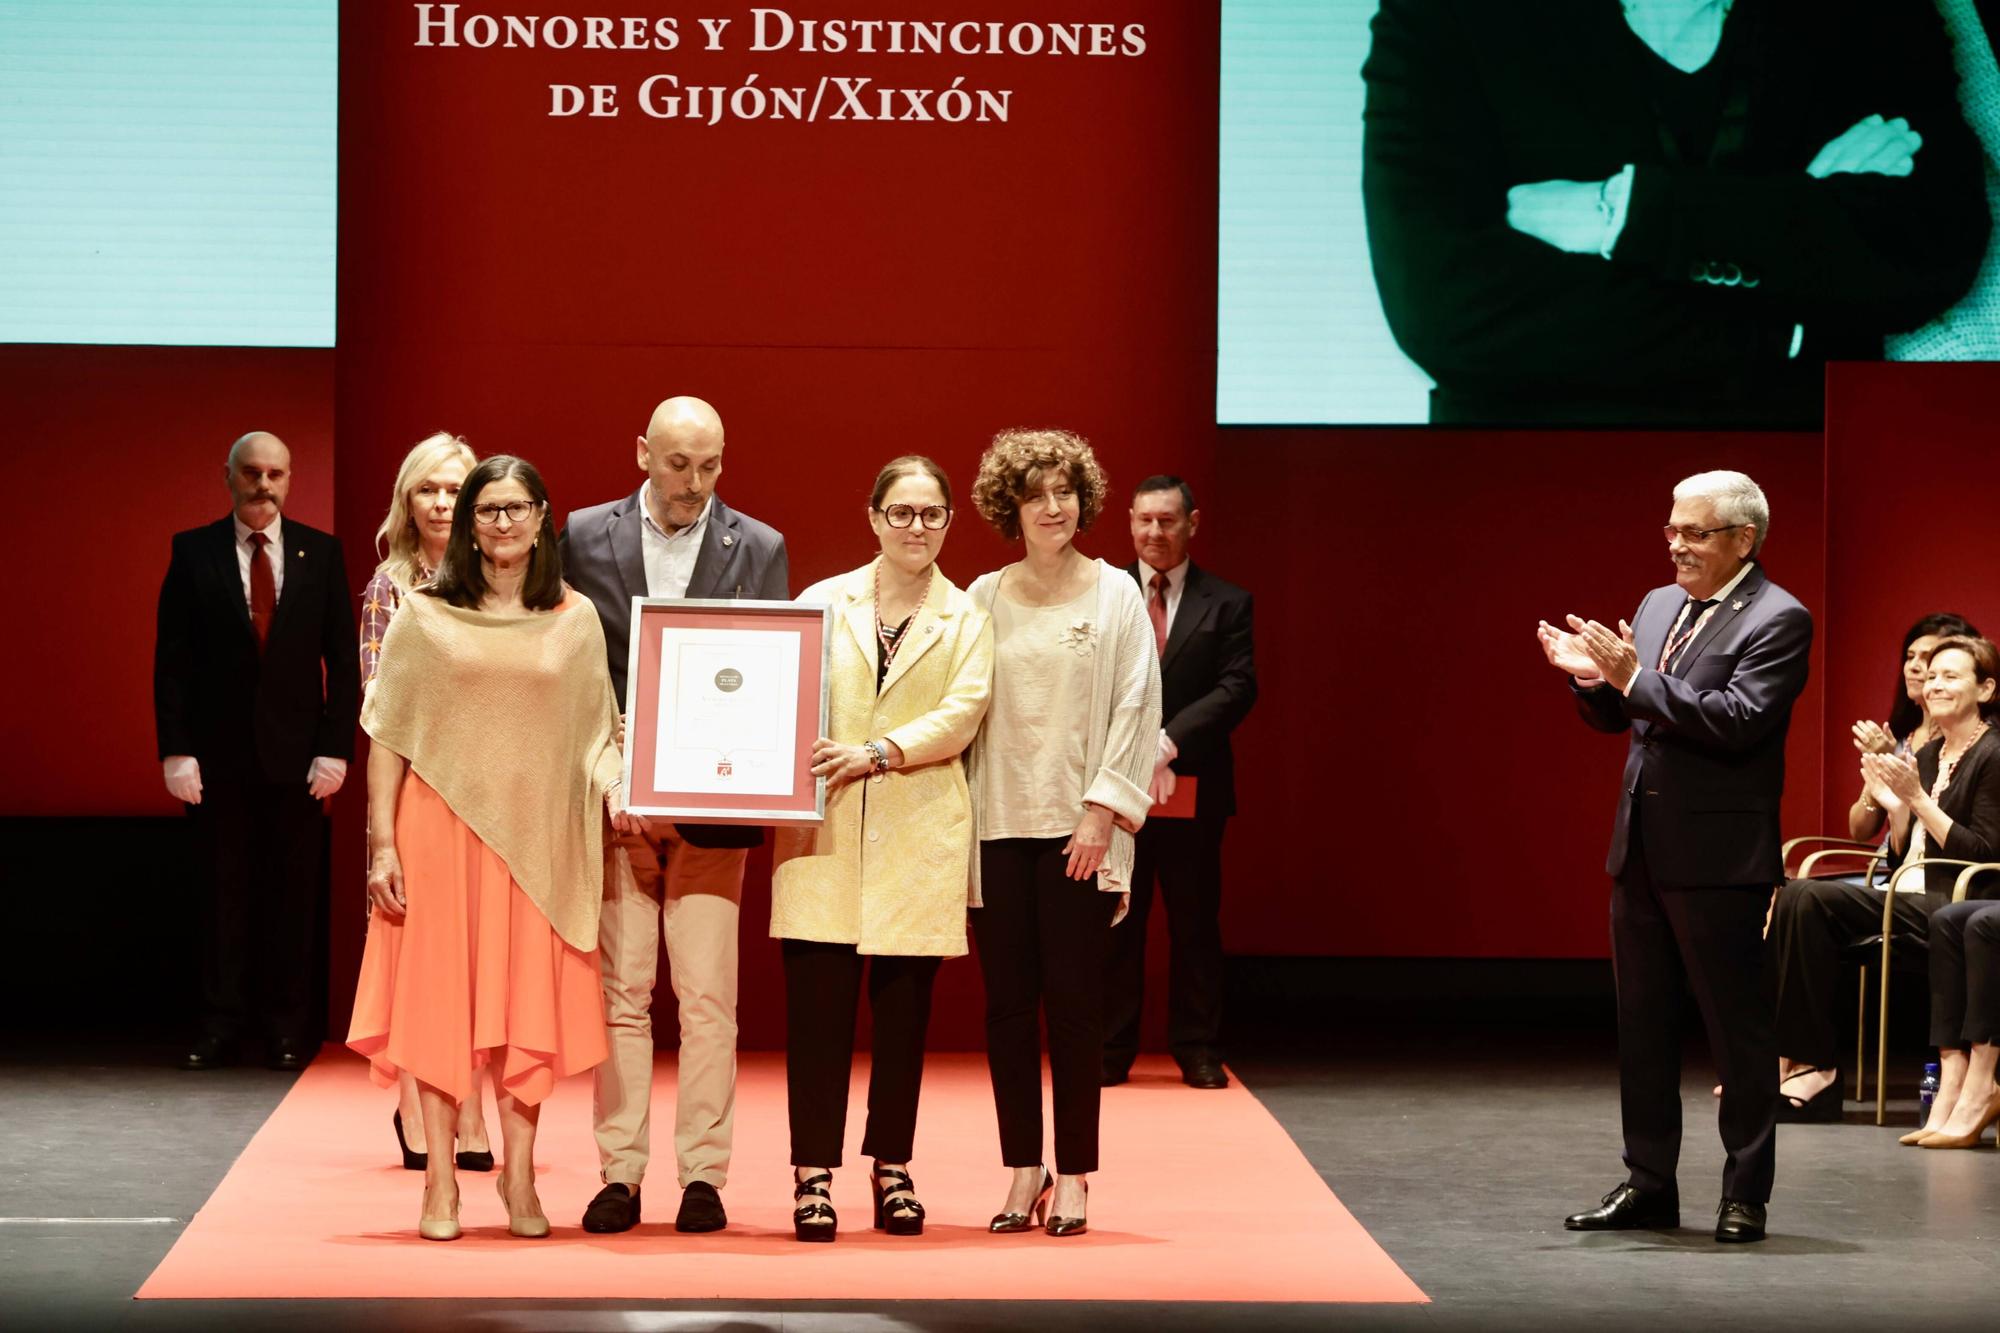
pixel 1606 212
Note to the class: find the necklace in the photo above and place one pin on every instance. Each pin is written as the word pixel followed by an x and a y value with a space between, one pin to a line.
pixel 1947 764
pixel 891 638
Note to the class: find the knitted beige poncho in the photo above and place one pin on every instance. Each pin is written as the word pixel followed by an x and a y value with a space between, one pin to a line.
pixel 510 719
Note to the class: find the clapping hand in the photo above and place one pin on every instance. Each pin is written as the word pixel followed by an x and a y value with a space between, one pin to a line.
pixel 1565 653
pixel 1871 738
pixel 1871 146
pixel 1611 654
pixel 1892 780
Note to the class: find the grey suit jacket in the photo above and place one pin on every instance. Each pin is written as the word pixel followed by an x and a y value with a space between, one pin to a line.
pixel 602 559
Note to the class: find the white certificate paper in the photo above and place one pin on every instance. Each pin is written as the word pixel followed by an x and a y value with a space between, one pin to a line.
pixel 729 705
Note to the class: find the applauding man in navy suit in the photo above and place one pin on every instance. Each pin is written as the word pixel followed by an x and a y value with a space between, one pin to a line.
pixel 1704 679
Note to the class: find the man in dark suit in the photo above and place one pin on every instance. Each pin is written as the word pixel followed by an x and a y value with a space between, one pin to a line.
pixel 1208 676
pixel 1674 214
pixel 673 537
pixel 1704 678
pixel 256 689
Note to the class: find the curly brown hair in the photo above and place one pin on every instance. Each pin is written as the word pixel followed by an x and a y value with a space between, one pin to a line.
pixel 1013 464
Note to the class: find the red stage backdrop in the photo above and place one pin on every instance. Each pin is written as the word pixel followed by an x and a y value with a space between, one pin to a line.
pixel 1911 457
pixel 842 289
pixel 113 450
pixel 1416 781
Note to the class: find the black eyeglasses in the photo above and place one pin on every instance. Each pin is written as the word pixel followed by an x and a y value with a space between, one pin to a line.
pixel 1693 535
pixel 516 511
pixel 901 516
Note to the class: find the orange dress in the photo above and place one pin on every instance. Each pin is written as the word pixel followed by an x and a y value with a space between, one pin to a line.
pixel 473 973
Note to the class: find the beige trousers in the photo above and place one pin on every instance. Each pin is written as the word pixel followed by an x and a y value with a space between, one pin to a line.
pixel 654 887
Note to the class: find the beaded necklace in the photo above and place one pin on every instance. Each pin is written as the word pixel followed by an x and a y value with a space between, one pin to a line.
pixel 891 637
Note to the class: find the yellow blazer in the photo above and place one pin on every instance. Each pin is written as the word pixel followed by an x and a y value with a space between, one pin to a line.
pixel 887 871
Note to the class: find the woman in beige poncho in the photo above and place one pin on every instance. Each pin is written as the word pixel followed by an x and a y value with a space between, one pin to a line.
pixel 492 767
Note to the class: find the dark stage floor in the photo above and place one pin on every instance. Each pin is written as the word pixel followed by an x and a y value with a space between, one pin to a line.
pixel 1460 1155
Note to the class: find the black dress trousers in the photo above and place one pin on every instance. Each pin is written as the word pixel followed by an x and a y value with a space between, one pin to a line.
pixel 1042 939
pixel 1813 921
pixel 264 845
pixel 822 987
pixel 1184 856
pixel 1666 943
pixel 1965 974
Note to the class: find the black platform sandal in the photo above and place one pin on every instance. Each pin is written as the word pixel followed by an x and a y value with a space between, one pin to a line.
pixel 896 1208
pixel 814 1220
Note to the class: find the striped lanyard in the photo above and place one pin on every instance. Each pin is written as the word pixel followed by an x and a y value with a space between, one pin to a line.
pixel 1679 639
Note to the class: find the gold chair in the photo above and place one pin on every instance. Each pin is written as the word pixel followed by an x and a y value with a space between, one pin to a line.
pixel 1872 856
pixel 1964 881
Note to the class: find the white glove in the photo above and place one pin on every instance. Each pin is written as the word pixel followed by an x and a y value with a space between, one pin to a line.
pixel 323 779
pixel 183 775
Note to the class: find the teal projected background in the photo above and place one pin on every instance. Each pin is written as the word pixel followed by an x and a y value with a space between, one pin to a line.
pixel 1301 334
pixel 167 172
pixel 1907 269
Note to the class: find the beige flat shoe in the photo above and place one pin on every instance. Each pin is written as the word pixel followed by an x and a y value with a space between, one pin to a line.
pixel 527 1228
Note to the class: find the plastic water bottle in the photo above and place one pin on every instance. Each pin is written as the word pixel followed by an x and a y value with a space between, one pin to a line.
pixel 1926 1094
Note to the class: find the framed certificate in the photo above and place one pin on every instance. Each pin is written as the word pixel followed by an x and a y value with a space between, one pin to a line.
pixel 724 699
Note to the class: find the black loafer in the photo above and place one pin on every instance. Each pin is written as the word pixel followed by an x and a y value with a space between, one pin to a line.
pixel 1629 1208
pixel 209 1053
pixel 1204 1071
pixel 1737 1222
pixel 616 1208
pixel 701 1209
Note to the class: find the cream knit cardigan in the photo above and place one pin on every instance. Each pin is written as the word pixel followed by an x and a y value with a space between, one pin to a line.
pixel 1124 719
pixel 510 719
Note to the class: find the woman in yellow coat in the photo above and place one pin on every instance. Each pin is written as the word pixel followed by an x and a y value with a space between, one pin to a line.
pixel 882 884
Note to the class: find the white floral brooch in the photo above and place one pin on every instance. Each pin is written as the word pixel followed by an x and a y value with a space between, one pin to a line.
pixel 1080 637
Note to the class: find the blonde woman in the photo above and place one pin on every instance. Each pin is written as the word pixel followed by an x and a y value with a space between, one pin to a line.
pixel 411 542
pixel 880 886
pixel 1059 778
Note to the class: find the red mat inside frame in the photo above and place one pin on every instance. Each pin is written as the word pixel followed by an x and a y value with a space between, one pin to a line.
pixel 317 1207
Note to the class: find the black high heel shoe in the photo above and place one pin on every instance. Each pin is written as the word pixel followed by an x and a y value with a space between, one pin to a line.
pixel 902 1216
pixel 412 1161
pixel 1070 1226
pixel 1004 1223
pixel 806 1223
pixel 476 1161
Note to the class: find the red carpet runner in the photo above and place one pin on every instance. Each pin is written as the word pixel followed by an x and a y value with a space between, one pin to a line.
pixel 1201 1196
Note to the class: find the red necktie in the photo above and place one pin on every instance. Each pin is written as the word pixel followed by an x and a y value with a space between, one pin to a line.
pixel 1156 609
pixel 263 588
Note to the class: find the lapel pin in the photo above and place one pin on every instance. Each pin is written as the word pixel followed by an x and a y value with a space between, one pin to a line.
pixel 728 540
pixel 1736 605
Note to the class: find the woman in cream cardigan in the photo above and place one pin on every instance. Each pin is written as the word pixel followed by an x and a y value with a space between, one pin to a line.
pixel 881 884
pixel 1059 778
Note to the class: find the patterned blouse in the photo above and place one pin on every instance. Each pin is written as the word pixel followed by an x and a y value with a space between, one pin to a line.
pixel 378 602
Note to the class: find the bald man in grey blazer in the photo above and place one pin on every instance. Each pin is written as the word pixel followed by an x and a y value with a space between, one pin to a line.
pixel 673 537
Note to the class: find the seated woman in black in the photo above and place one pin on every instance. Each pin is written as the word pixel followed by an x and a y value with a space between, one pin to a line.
pixel 1813 920
pixel 1965 936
